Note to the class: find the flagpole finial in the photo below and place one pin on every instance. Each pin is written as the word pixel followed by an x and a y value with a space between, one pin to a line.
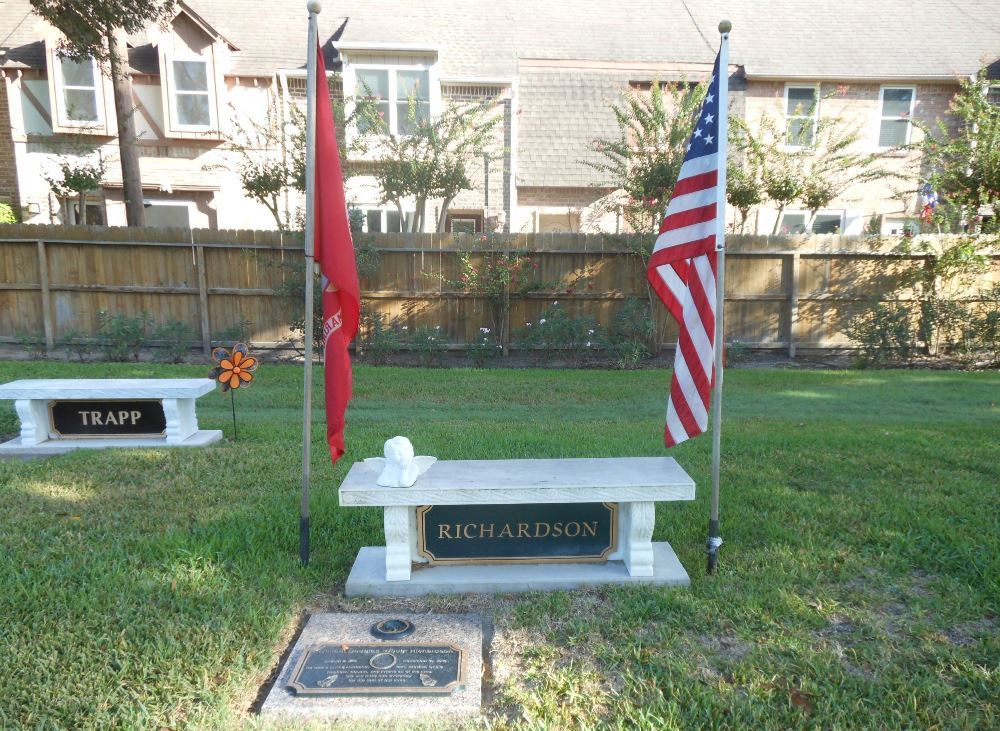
pixel 314 7
pixel 725 26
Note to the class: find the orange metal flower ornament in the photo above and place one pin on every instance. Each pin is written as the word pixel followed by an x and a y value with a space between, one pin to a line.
pixel 234 370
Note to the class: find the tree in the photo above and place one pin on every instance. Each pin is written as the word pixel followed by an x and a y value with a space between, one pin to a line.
pixel 815 173
pixel 645 158
pixel 964 157
pixel 434 160
pixel 97 29
pixel 79 174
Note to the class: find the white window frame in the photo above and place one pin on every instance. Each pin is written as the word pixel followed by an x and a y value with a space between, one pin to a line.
pixel 172 93
pixel 901 222
pixel 815 115
pixel 352 87
pixel 805 214
pixel 62 110
pixel 191 207
pixel 882 117
pixel 993 89
pixel 384 216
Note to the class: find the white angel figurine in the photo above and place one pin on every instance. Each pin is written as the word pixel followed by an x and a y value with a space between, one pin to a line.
pixel 399 468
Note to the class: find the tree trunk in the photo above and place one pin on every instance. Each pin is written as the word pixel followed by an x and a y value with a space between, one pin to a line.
pixel 135 214
pixel 443 219
pixel 402 218
pixel 777 221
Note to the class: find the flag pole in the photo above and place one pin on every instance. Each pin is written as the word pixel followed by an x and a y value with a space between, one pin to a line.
pixel 312 45
pixel 714 539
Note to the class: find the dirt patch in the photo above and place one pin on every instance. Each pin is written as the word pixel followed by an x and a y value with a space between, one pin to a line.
pixel 726 647
pixel 969 633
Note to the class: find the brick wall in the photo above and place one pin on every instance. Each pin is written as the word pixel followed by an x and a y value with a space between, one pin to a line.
pixel 859 104
pixel 8 170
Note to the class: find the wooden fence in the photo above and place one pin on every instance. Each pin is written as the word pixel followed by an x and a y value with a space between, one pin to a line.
pixel 789 293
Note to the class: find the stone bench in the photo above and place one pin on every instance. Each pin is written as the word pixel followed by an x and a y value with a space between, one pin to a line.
pixel 59 414
pixel 623 490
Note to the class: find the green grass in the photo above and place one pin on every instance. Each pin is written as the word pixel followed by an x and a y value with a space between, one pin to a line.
pixel 858 584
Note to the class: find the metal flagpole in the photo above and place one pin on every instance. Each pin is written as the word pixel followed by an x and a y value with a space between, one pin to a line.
pixel 714 539
pixel 314 8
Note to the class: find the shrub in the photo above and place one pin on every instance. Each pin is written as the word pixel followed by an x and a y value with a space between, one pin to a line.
pixel 238 332
pixel 984 325
pixel 121 337
pixel 557 330
pixel 34 343
pixel 177 337
pixel 377 337
pixel 483 347
pixel 430 344
pixel 7 213
pixel 76 341
pixel 629 334
pixel 736 353
pixel 884 334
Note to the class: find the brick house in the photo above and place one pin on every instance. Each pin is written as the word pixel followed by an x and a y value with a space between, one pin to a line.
pixel 551 69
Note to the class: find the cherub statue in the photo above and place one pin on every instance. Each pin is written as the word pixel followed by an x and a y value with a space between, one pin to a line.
pixel 399 468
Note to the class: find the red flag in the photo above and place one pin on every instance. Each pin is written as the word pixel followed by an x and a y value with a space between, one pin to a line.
pixel 335 254
pixel 682 271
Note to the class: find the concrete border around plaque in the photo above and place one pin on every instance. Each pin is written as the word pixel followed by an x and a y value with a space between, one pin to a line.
pixel 629 487
pixel 339 669
pixel 61 414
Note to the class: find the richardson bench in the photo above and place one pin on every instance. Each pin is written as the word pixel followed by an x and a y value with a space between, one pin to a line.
pixel 59 414
pixel 486 526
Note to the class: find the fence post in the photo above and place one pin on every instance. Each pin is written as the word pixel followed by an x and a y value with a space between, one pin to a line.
pixel 793 304
pixel 206 338
pixel 43 278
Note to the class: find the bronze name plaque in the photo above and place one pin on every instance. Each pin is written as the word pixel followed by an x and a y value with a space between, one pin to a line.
pixel 134 418
pixel 384 669
pixel 527 533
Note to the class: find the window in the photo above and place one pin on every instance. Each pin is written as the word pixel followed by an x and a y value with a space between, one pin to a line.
pixel 462 225
pixel 801 110
pixel 93 213
pixel 400 97
pixel 379 220
pixel 900 227
pixel 168 215
pixel 993 95
pixel 79 90
pixel 190 82
pixel 897 109
pixel 824 223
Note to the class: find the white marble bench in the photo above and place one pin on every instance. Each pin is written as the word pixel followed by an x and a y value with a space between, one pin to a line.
pixel 633 484
pixel 106 412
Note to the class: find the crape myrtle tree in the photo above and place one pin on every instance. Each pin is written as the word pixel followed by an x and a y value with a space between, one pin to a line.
pixel 97 29
pixel 810 166
pixel 433 160
pixel 963 157
pixel 644 159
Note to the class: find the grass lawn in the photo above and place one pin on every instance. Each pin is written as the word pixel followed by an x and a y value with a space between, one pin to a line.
pixel 859 584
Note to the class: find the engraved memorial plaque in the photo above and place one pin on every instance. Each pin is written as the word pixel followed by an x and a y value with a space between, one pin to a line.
pixel 528 533
pixel 382 669
pixel 135 418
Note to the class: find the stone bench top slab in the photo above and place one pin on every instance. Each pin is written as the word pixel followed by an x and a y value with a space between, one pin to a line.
pixel 463 482
pixel 106 388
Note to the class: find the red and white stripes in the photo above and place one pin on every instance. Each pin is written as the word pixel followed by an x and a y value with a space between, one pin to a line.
pixel 682 271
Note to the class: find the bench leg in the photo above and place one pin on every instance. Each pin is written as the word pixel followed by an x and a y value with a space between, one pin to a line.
pixel 34 416
pixel 181 419
pixel 397 543
pixel 640 518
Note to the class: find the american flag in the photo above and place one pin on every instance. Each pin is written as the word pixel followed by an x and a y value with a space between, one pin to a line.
pixel 682 270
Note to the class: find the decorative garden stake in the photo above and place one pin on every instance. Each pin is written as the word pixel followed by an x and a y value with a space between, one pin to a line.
pixel 234 369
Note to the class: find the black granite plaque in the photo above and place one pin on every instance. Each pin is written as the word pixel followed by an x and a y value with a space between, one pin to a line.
pixel 135 418
pixel 529 533
pixel 382 669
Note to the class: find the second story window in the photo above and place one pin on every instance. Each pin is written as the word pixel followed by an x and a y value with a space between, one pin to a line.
pixel 897 109
pixel 192 104
pixel 801 110
pixel 400 97
pixel 79 91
